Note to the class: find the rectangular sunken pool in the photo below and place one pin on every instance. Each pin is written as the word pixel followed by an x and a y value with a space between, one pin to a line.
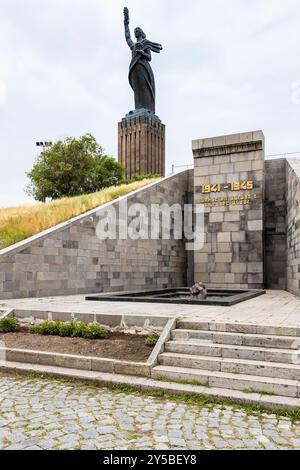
pixel 221 297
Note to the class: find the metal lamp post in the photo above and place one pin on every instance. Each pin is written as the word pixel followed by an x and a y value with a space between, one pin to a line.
pixel 44 145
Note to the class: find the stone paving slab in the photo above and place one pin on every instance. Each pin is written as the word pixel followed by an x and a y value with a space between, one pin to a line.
pixel 50 414
pixel 274 308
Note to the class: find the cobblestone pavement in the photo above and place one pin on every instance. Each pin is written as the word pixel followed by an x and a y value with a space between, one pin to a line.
pixel 50 414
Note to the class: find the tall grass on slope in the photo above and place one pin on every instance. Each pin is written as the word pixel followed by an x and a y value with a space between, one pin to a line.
pixel 19 223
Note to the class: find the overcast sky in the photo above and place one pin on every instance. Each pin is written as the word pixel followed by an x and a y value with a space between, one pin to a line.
pixel 227 66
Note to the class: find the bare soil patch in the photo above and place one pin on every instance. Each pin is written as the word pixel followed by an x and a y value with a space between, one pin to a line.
pixel 118 346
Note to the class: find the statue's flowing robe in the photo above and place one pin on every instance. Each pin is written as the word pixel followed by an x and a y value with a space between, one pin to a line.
pixel 141 77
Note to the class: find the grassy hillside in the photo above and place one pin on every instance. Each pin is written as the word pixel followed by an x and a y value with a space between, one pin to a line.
pixel 18 223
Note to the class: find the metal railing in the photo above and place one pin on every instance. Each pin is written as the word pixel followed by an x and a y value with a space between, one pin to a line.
pixel 282 155
pixel 187 167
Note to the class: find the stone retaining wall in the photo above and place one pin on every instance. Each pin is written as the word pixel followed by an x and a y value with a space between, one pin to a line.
pixel 70 259
pixel 293 225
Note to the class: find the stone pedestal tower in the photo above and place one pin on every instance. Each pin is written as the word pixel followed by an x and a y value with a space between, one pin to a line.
pixel 141 142
pixel 141 134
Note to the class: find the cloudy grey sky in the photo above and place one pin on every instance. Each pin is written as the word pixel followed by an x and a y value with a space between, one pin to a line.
pixel 227 66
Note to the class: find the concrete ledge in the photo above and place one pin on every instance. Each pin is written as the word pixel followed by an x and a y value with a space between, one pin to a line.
pixel 6 313
pixel 231 139
pixel 148 385
pixel 112 366
pixel 139 321
pixel 160 346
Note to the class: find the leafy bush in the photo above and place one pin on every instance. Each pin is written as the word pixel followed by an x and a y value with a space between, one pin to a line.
pixel 95 331
pixel 79 329
pixel 8 325
pixel 47 328
pixel 151 341
pixel 66 329
pixel 73 167
pixel 73 329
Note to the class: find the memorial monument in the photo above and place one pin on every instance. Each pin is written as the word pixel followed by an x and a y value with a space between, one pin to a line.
pixel 141 134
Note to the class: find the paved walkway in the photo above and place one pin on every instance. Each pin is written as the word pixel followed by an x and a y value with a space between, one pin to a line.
pixel 49 414
pixel 276 308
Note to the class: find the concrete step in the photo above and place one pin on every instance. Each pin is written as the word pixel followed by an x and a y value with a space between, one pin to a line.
pixel 287 388
pixel 207 348
pixel 233 366
pixel 239 339
pixel 239 328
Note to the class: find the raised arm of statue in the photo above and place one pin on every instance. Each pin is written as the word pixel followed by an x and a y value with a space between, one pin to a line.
pixel 127 30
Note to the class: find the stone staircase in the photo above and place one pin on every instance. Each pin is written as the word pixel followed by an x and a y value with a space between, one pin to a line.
pixel 248 358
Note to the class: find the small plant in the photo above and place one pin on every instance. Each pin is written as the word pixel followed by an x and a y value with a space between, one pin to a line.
pixel 8 325
pixel 79 328
pixel 66 329
pixel 47 328
pixel 73 329
pixel 95 331
pixel 151 341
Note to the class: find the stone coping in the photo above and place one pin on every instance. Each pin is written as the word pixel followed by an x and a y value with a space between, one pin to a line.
pixel 110 320
pixel 6 313
pixel 231 139
pixel 235 296
pixel 64 225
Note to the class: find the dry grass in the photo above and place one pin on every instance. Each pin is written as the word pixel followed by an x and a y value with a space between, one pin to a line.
pixel 19 223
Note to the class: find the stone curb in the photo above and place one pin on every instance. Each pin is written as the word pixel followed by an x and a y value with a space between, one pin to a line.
pixel 160 346
pixel 111 320
pixel 148 385
pixel 86 363
pixel 6 313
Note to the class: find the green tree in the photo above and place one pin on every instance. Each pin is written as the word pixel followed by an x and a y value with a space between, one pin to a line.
pixel 72 167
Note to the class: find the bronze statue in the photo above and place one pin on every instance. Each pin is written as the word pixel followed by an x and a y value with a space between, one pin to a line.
pixel 141 77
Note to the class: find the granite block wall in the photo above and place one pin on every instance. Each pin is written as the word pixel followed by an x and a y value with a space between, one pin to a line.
pixel 70 259
pixel 293 225
pixel 229 177
pixel 275 225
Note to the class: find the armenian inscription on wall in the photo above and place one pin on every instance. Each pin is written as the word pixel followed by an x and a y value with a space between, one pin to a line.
pixel 244 196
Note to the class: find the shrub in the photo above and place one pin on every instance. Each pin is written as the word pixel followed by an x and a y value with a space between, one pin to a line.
pixel 47 328
pixel 72 167
pixel 66 329
pixel 95 331
pixel 8 325
pixel 79 328
pixel 73 329
pixel 151 341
